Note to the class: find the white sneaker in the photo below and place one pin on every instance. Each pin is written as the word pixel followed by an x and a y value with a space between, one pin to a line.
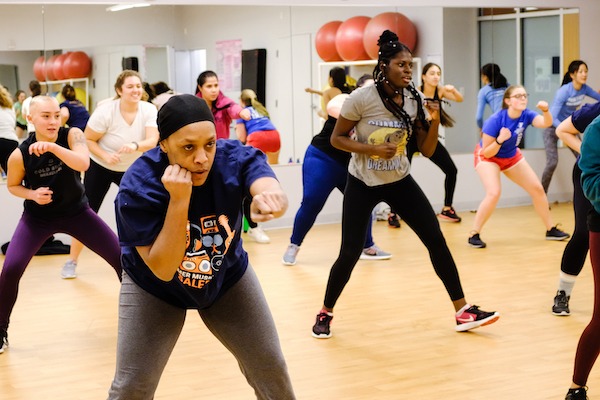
pixel 68 270
pixel 374 253
pixel 258 235
pixel 289 257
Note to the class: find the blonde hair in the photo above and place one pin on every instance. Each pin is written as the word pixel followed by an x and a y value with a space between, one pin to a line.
pixel 249 98
pixel 5 98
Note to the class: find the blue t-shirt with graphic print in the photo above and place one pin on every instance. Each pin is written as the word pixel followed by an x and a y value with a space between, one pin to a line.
pixel 517 127
pixel 214 259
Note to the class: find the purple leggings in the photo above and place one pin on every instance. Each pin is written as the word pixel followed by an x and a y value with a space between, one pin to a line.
pixel 32 232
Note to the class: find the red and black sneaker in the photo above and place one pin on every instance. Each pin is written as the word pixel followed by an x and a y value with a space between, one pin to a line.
pixel 449 215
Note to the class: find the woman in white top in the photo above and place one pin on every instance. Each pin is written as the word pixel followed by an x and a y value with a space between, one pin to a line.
pixel 8 123
pixel 117 133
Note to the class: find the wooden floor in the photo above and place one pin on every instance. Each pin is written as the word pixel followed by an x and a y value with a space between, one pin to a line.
pixel 393 330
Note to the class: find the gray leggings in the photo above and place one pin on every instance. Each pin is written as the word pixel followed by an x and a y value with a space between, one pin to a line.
pixel 551 146
pixel 240 319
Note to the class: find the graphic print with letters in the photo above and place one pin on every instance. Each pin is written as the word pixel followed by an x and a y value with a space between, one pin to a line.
pixel 207 243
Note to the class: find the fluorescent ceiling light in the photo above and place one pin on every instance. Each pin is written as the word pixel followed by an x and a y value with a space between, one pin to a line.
pixel 120 7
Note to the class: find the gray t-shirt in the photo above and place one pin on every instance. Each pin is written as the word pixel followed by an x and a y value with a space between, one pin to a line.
pixel 377 125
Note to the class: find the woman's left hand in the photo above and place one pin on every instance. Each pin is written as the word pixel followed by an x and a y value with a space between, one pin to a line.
pixel 542 105
pixel 265 204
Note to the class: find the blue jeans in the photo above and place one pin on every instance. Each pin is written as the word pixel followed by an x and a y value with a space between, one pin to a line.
pixel 320 175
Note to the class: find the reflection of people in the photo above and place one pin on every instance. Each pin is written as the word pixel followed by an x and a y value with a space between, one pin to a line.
pixel 35 89
pixel 337 85
pixel 73 112
pixel 494 85
pixel 258 131
pixel 20 97
pixel 45 171
pixel 8 121
pixel 497 152
pixel 384 117
pixel 431 88
pixel 117 133
pixel 223 108
pixel 568 98
pixel 162 93
pixel 324 169
pixel 588 347
pixel 576 250
pixel 179 221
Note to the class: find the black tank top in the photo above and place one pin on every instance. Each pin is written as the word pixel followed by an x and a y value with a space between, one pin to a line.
pixel 68 197
pixel 322 141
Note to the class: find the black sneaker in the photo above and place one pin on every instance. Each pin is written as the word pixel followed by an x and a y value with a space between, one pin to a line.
pixel 556 234
pixel 3 341
pixel 393 221
pixel 321 328
pixel 577 394
pixel 475 241
pixel 473 318
pixel 561 303
pixel 449 215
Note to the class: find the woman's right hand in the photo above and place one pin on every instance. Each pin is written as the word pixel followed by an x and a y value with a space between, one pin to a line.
pixel 112 158
pixel 178 182
pixel 42 195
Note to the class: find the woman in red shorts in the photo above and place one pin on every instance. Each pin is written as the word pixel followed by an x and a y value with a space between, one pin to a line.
pixel 498 151
pixel 258 132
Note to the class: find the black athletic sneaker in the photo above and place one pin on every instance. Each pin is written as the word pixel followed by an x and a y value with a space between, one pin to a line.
pixel 449 215
pixel 393 221
pixel 561 303
pixel 3 341
pixel 473 318
pixel 577 394
pixel 475 241
pixel 321 328
pixel 556 234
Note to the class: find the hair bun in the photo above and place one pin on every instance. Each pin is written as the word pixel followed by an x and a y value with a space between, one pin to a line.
pixel 386 37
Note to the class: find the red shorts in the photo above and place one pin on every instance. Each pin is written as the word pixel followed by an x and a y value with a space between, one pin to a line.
pixel 503 163
pixel 267 141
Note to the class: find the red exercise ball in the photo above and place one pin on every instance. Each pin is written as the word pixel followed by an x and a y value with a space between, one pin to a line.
pixel 349 39
pixel 57 67
pixel 38 69
pixel 395 22
pixel 325 41
pixel 77 65
pixel 49 68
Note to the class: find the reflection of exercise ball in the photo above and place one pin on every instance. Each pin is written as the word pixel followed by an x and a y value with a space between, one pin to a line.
pixel 349 39
pixel 49 68
pixel 57 67
pixel 77 65
pixel 325 41
pixel 395 22
pixel 38 69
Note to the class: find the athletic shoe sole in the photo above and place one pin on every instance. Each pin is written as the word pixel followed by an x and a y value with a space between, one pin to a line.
pixel 321 335
pixel 288 263
pixel 561 314
pixel 476 324
pixel 557 238
pixel 448 219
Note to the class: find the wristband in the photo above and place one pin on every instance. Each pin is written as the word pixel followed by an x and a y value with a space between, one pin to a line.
pixel 137 146
pixel 498 142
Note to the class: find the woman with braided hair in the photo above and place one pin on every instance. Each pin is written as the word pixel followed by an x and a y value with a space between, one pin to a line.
pixel 385 117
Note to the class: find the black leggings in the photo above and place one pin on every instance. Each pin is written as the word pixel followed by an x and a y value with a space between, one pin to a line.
pixel 576 250
pixel 442 159
pixel 409 201
pixel 97 180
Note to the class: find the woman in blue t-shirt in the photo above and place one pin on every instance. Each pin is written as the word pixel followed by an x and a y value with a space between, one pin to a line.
pixel 179 219
pixel 568 99
pixel 494 85
pixel 498 151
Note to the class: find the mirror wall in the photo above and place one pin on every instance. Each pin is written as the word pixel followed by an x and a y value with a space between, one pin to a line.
pixel 448 36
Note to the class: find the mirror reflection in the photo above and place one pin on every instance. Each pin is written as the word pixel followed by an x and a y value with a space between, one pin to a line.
pixel 526 43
